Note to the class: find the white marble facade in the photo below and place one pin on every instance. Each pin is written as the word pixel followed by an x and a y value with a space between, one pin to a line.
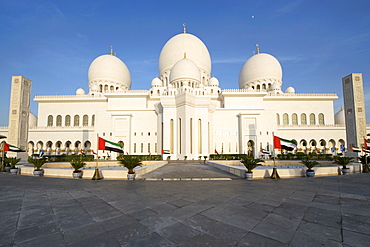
pixel 186 111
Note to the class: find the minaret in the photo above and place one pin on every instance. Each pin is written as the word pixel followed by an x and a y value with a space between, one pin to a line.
pixel 19 111
pixel 354 111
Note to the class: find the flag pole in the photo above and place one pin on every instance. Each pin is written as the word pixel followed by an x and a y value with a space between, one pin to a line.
pixel 274 174
pixel 97 173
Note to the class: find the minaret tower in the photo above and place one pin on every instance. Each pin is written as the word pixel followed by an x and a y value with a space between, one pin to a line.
pixel 19 111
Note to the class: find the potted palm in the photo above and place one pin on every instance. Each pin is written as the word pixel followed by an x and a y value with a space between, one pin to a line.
pixel 13 161
pixel 130 162
pixel 343 161
pixel 309 164
pixel 250 163
pixel 77 165
pixel 37 164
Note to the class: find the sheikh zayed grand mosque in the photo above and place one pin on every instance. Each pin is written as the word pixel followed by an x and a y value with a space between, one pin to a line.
pixel 185 111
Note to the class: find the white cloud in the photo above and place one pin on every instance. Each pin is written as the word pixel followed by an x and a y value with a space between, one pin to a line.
pixel 289 7
pixel 290 58
pixel 223 61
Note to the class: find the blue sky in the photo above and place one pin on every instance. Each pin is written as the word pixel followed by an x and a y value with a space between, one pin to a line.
pixel 53 43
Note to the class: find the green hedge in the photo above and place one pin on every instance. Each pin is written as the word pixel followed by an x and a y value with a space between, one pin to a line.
pixel 226 156
pixel 69 158
pixel 144 157
pixel 300 155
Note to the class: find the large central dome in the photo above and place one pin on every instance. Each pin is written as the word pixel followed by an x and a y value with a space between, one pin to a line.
pixel 184 44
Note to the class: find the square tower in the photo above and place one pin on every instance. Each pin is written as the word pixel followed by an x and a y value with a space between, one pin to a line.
pixel 19 111
pixel 355 114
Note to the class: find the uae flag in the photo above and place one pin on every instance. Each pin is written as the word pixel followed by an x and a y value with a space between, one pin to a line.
pixel 166 151
pixel 356 149
pixel 108 145
pixel 280 143
pixel 11 148
pixel 367 144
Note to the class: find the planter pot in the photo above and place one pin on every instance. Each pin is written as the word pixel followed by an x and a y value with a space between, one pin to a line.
pixel 13 170
pixel 77 174
pixel 249 176
pixel 131 176
pixel 346 171
pixel 7 168
pixel 310 174
pixel 38 173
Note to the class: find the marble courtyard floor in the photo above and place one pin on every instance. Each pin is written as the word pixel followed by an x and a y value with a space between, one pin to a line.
pixel 43 211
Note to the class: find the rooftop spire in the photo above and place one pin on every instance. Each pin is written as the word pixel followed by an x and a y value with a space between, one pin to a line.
pixel 257 49
pixel 184 55
pixel 111 51
pixel 184 25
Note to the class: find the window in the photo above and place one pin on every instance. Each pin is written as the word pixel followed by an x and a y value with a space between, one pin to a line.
pixel 93 120
pixel 294 119
pixel 142 148
pixel 312 119
pixel 303 119
pixel 59 120
pixel 155 147
pixel 50 120
pixel 321 119
pixel 85 120
pixel 277 119
pixel 148 147
pixel 134 147
pixel 285 119
pixel 68 120
pixel 76 121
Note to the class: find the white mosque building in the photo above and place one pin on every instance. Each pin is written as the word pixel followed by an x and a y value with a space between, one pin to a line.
pixel 186 111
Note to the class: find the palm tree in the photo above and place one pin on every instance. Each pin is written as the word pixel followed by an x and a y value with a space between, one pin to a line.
pixel 250 163
pixel 77 164
pixel 130 162
pixel 309 163
pixel 343 161
pixel 12 161
pixel 37 163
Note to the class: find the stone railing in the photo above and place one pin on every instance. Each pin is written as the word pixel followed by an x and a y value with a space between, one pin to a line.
pixel 60 127
pixel 312 126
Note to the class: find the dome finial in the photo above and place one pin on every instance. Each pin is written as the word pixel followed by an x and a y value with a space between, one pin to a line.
pixel 111 50
pixel 184 25
pixel 257 49
pixel 184 55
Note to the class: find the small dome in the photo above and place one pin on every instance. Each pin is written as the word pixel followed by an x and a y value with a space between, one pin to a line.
pixel 275 87
pixel 94 88
pixel 260 67
pixel 339 117
pixel 185 69
pixel 109 68
pixel 290 90
pixel 80 91
pixel 156 82
pixel 177 46
pixel 213 82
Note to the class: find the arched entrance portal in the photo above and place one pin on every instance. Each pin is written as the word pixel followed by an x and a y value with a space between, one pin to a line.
pixel 251 148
